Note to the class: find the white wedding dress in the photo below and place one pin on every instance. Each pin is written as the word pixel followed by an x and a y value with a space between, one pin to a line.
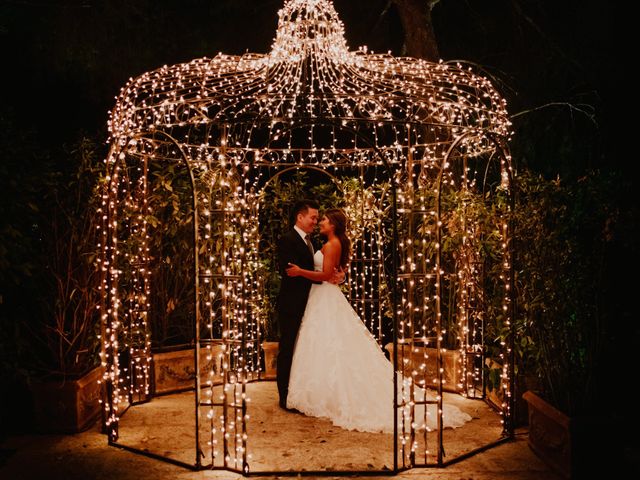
pixel 339 371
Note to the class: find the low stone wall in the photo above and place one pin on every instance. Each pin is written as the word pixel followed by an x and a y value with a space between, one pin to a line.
pixel 175 371
pixel 417 356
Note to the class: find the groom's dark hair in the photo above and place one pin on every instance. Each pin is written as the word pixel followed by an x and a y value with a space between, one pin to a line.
pixel 301 206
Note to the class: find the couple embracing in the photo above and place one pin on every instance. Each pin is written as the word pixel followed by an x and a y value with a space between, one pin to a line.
pixel 329 364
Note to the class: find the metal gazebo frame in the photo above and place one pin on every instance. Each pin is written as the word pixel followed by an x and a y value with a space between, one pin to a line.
pixel 422 129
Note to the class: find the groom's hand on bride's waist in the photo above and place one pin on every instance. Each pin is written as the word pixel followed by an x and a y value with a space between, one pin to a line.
pixel 293 270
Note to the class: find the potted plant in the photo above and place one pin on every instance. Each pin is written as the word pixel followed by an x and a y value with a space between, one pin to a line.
pixel 63 358
pixel 172 310
pixel 564 235
pixel 269 328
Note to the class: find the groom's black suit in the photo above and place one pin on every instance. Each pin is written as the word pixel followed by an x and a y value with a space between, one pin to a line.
pixel 291 302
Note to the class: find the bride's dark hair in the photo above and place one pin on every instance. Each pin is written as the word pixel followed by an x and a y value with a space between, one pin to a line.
pixel 338 219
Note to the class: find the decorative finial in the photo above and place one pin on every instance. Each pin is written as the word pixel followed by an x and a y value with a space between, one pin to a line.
pixel 309 27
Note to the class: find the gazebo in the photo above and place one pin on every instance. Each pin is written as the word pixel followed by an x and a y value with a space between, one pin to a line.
pixel 419 152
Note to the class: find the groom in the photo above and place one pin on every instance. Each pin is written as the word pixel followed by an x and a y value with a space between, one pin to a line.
pixel 293 247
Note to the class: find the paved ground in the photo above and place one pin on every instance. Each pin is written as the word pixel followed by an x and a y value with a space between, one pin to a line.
pixel 280 439
pixel 87 456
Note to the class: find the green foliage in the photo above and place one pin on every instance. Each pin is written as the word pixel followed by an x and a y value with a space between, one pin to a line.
pixel 170 220
pixel 471 257
pixel 25 171
pixel 60 334
pixel 563 234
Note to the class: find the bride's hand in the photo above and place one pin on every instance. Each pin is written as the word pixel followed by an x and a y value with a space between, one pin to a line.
pixel 338 276
pixel 293 270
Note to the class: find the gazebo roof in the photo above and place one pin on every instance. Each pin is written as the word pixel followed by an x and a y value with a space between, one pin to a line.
pixel 310 76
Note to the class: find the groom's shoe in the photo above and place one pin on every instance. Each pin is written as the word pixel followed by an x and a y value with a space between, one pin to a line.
pixel 283 405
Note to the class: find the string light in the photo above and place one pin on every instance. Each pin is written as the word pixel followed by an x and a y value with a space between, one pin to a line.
pixel 380 126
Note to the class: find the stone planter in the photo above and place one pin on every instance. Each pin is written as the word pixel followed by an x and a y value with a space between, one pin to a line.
pixel 549 433
pixel 67 406
pixel 576 447
pixel 174 371
pixel 495 396
pixel 270 350
pixel 494 392
pixel 451 360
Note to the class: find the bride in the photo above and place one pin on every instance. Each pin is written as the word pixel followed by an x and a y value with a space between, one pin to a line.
pixel 339 372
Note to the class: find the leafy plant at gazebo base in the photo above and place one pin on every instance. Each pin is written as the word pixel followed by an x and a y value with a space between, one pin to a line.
pixel 170 219
pixel 472 244
pixel 567 233
pixel 67 333
pixel 563 232
pixel 560 234
pixel 559 241
pixel 60 341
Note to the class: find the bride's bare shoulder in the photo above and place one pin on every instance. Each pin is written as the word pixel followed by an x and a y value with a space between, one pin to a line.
pixel 332 245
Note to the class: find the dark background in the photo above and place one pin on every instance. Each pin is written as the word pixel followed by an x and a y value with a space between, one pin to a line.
pixel 67 60
pixel 64 63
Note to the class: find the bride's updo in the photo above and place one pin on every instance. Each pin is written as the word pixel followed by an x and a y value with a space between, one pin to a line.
pixel 339 220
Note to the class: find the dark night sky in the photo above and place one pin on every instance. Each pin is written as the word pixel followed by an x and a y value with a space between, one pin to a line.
pixel 69 58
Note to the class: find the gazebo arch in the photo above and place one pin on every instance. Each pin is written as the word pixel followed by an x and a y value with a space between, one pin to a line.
pixel 423 143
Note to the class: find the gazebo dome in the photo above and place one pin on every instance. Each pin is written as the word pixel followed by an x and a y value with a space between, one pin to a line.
pixel 311 75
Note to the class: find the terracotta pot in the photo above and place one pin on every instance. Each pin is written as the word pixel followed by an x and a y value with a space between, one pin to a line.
pixel 549 434
pixel 523 383
pixel 451 360
pixel 270 350
pixel 576 447
pixel 67 406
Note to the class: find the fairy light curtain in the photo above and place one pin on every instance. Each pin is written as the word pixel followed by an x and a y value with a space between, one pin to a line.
pixel 399 136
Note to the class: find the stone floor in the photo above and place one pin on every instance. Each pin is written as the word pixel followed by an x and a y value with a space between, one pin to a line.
pixel 279 441
pixel 165 427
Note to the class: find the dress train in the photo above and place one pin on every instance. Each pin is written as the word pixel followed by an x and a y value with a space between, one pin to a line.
pixel 339 371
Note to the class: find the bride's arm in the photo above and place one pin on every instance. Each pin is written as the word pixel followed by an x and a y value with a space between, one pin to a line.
pixel 329 263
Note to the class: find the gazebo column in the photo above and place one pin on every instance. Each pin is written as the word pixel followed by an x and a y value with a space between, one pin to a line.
pixel 137 332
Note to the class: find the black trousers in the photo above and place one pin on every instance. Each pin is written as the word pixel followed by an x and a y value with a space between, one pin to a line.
pixel 288 335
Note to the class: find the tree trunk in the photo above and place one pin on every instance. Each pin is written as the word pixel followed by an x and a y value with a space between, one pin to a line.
pixel 419 38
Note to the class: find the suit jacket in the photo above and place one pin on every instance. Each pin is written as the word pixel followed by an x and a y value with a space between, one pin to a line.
pixel 294 291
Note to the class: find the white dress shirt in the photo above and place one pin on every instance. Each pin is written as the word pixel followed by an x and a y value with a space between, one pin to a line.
pixel 301 232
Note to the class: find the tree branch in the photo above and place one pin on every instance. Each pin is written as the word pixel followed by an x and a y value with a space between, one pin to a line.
pixel 583 108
